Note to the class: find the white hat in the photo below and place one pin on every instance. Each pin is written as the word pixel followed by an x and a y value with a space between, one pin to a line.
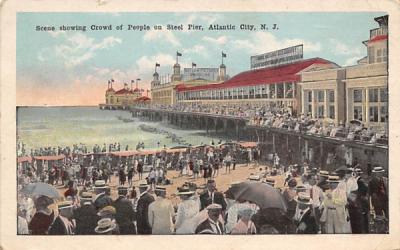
pixel 378 170
pixel 105 225
pixel 214 206
pixel 303 198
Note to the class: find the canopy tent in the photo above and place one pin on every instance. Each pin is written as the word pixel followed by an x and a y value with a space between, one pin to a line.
pixel 22 159
pixel 49 157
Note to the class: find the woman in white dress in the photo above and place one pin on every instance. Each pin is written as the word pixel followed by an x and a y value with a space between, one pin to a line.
pixel 186 214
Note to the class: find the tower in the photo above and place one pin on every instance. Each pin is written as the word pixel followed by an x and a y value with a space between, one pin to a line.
pixel 156 79
pixel 177 73
pixel 222 72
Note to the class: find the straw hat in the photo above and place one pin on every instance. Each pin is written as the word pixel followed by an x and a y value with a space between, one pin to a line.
pixel 64 205
pixel 334 179
pixel 378 170
pixel 143 184
pixel 214 206
pixel 303 198
pixel 108 210
pixel 323 173
pixel 105 225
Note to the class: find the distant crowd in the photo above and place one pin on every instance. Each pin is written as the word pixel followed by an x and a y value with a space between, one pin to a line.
pixel 283 118
pixel 315 201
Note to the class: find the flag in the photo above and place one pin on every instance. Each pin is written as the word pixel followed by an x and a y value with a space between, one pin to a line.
pixel 138 79
pixel 194 65
pixel 178 54
pixel 223 54
pixel 132 81
pixel 109 81
pixel 112 80
pixel 157 65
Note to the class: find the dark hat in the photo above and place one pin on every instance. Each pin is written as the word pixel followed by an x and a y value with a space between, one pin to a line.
pixel 301 188
pixel 303 198
pixel 210 181
pixel 122 190
pixel 161 189
pixel 292 182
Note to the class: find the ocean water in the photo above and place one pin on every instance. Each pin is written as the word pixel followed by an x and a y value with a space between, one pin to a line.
pixel 64 126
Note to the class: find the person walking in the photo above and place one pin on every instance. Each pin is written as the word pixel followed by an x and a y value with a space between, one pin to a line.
pixel 145 199
pixel 124 212
pixel 161 213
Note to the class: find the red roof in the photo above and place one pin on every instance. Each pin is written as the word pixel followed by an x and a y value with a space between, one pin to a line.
pixel 282 73
pixel 136 90
pixel 378 38
pixel 123 92
pixel 143 98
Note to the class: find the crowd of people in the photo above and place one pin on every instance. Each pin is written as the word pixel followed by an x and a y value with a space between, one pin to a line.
pixel 283 118
pixel 343 201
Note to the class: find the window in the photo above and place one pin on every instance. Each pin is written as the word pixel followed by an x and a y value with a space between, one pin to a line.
pixel 272 91
pixel 331 96
pixel 373 95
pixel 357 113
pixel 357 95
pixel 384 114
pixel 332 111
pixel 371 55
pixel 280 90
pixel 289 90
pixel 321 111
pixel 309 109
pixel 384 56
pixel 321 96
pixel 309 96
pixel 384 95
pixel 373 114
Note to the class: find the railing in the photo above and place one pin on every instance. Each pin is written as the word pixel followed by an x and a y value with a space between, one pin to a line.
pixel 378 32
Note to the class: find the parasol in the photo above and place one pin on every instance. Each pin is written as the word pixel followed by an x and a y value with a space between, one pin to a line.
pixel 40 188
pixel 264 195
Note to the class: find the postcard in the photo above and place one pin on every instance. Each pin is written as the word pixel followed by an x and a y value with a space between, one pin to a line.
pixel 173 124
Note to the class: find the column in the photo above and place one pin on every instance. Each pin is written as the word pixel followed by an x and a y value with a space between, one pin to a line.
pixel 225 126
pixel 237 129
pixel 366 106
pixel 313 104
pixel 306 149
pixel 326 104
pixel 273 142
pixel 303 101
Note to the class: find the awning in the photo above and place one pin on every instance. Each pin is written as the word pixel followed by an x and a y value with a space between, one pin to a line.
pixel 248 144
pixel 50 157
pixel 24 159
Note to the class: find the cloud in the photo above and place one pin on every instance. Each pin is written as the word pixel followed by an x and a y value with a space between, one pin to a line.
pixel 161 35
pixel 80 48
pixel 196 49
pixel 217 41
pixel 56 33
pixel 353 54
pixel 262 42
pixel 198 19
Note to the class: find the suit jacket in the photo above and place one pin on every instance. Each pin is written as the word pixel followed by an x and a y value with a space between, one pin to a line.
pixel 86 219
pixel 205 200
pixel 124 215
pixel 142 221
pixel 205 228
pixel 311 224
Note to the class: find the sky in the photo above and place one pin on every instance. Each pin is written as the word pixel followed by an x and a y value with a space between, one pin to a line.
pixel 65 68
